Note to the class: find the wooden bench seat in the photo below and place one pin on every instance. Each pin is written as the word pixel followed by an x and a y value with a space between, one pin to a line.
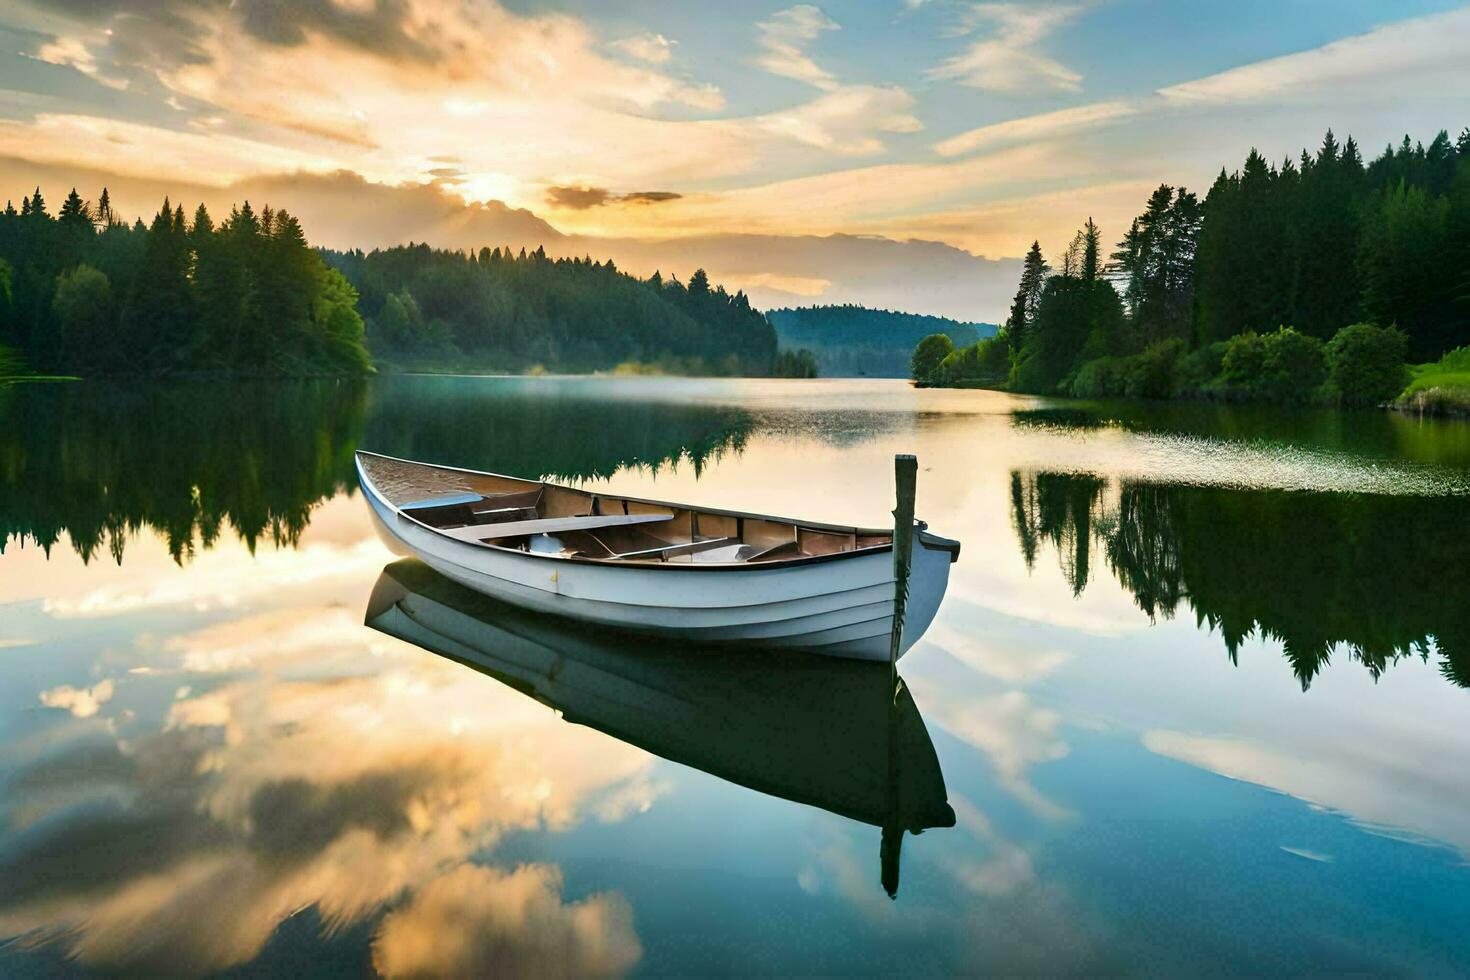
pixel 549 525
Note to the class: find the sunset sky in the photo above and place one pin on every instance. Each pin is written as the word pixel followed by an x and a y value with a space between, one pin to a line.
pixel 723 134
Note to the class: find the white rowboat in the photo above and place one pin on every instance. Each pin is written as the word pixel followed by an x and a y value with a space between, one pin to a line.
pixel 691 573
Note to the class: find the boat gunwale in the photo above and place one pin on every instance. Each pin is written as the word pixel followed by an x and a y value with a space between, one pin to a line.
pixel 936 543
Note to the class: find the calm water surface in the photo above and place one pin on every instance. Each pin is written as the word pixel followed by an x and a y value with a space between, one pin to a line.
pixel 1196 701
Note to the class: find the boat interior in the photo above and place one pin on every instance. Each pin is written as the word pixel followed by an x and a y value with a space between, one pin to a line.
pixel 547 518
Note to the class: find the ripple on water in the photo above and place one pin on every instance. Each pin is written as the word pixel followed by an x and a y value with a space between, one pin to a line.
pixel 1247 465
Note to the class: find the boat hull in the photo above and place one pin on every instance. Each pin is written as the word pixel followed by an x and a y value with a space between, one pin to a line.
pixel 841 607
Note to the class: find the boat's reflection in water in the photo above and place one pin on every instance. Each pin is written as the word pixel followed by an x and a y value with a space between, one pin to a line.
pixel 824 731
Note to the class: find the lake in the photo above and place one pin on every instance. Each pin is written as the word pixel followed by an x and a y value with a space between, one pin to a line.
pixel 1196 701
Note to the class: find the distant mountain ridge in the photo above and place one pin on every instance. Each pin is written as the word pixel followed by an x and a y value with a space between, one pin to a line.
pixel 858 341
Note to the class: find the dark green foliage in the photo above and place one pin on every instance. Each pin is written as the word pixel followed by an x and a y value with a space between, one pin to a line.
pixel 1243 360
pixel 800 363
pixel 1364 572
pixel 1293 365
pixel 986 362
pixel 193 466
pixel 1200 366
pixel 1155 262
pixel 1152 373
pixel 12 365
pixel 856 341
pixel 1034 271
pixel 1101 377
pixel 83 308
pixel 1401 255
pixel 1077 320
pixel 1325 241
pixel 514 311
pixel 928 355
pixel 1285 365
pixel 92 295
pixel 1318 242
pixel 1365 364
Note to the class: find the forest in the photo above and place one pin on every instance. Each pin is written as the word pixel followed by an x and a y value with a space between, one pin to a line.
pixel 1317 279
pixel 516 311
pixel 857 341
pixel 84 293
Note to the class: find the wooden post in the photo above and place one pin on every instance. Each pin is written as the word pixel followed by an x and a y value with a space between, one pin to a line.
pixel 905 475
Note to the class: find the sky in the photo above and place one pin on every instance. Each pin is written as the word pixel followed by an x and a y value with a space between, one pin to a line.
pixel 900 153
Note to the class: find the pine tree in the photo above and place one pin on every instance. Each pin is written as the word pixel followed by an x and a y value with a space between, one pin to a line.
pixel 1091 252
pixel 74 211
pixel 699 284
pixel 1034 271
pixel 103 214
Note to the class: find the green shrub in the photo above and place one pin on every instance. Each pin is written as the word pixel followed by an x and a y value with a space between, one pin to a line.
pixel 1152 373
pixel 1293 365
pixel 986 361
pixel 1200 367
pixel 1365 364
pixel 1099 378
pixel 1284 366
pixel 1240 365
pixel 1457 360
pixel 930 353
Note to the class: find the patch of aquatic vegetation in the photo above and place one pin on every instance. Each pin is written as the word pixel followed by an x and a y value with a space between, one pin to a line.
pixel 1063 418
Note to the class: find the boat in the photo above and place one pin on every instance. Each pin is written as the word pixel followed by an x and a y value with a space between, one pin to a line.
pixel 840 735
pixel 698 574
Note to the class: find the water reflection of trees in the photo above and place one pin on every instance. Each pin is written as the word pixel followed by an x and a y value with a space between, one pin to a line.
pixel 552 429
pixel 100 462
pixel 1375 576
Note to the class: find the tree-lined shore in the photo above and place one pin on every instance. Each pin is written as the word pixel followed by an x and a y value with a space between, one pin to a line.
pixel 85 293
pixel 514 311
pixel 1318 279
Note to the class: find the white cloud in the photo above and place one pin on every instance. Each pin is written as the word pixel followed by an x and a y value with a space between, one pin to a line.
pixel 150 151
pixel 479 921
pixel 1037 127
pixel 1419 793
pixel 224 578
pixel 82 702
pixel 652 48
pixel 845 119
pixel 1006 60
pixel 784 39
pixel 71 52
pixel 1427 52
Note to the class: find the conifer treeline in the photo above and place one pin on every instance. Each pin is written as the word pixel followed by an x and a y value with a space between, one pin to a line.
pixel 516 310
pixel 82 292
pixel 85 293
pixel 1196 295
